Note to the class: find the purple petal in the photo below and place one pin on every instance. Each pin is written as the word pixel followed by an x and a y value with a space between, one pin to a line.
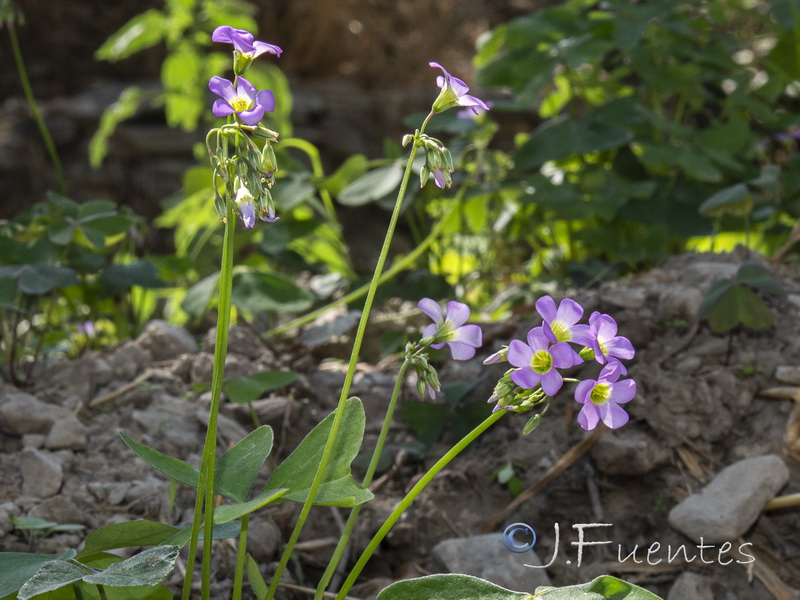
pixel 526 378
pixel 248 213
pixel 537 340
pixel 519 354
pixel 262 47
pixel 245 89
pixel 623 391
pixel 252 116
pixel 266 99
pixel 606 328
pixel 613 416
pixel 589 416
pixel 546 307
pixel 569 312
pixel 438 178
pixel 469 334
pixel 583 391
pixel 563 355
pixel 222 34
pixel 582 335
pixel 436 65
pixel 552 382
pixel 461 351
pixel 430 330
pixel 475 104
pixel 457 313
pixel 460 89
pixel 222 87
pixel 438 346
pixel 612 371
pixel 432 309
pixel 220 108
pixel 620 347
pixel 548 332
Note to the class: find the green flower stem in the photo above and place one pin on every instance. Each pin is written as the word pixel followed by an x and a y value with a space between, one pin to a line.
pixel 208 464
pixel 37 115
pixel 241 554
pixel 351 369
pixel 399 265
pixel 373 466
pixel 316 168
pixel 411 496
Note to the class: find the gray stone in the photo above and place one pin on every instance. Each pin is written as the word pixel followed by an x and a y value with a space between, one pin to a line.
pixel 22 413
pixel 69 434
pixel 263 539
pixel 788 374
pixel 172 421
pixel 626 297
pixel 128 361
pixel 235 366
pixel 678 302
pixel 241 340
pixel 732 502
pixel 628 452
pixel 58 509
pixel 41 473
pixel 485 556
pixel 165 342
pixel 691 586
pixel 33 440
pixel 101 371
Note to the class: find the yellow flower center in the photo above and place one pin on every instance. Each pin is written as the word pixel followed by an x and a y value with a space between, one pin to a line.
pixel 601 392
pixel 541 361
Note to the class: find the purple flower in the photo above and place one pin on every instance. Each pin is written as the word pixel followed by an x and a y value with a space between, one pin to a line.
pixel 243 42
pixel 439 178
pixel 87 328
pixel 454 93
pixel 448 328
pixel 601 398
pixel 560 324
pixel 538 361
pixel 606 342
pixel 246 205
pixel 467 113
pixel 244 100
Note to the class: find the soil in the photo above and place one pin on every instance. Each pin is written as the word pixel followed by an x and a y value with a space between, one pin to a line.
pixel 704 401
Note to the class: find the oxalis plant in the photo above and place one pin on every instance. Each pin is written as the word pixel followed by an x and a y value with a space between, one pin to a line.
pixel 318 471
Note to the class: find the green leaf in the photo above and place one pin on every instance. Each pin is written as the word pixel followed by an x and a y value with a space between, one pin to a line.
pixel 198 297
pixel 338 486
pixel 143 31
pixel 717 291
pixel 450 586
pixel 124 108
pixel 604 587
pixel 292 192
pixel 229 512
pixel 146 568
pixel 739 306
pixel 532 424
pixel 222 531
pixel 559 139
pixel 425 419
pixel 255 578
pixel 174 468
pixel 255 292
pixel 51 576
pixel 41 279
pixel 98 229
pixel 732 200
pixel 246 389
pixel 18 567
pixel 759 277
pixel 372 186
pixel 353 168
pixel 238 468
pixel 130 534
pixel 118 279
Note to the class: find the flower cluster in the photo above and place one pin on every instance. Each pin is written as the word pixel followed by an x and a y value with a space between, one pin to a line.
pixel 548 349
pixel 248 170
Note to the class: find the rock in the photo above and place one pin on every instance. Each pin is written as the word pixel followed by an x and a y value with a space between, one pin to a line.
pixel 732 502
pixel 235 366
pixel 58 509
pixel 41 473
pixel 263 539
pixel 22 413
pixel 679 302
pixel 626 297
pixel 165 342
pixel 788 374
pixel 128 361
pixel 33 440
pixel 691 585
pixel 628 452
pixel 241 340
pixel 485 556
pixel 101 371
pixel 172 421
pixel 69 434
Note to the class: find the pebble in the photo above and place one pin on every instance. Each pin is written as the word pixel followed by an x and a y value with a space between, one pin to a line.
pixel 486 557
pixel 263 539
pixel 165 342
pixel 128 361
pixel 58 509
pixel 41 473
pixel 628 452
pixel 22 413
pixel 241 340
pixel 67 434
pixel 788 374
pixel 679 303
pixel 732 502
pixel 691 585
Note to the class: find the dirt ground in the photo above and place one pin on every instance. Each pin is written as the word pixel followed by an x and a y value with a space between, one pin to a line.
pixel 704 401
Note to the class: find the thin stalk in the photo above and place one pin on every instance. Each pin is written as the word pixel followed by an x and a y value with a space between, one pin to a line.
pixel 411 496
pixel 351 369
pixel 398 266
pixel 37 116
pixel 241 554
pixel 208 464
pixel 373 465
pixel 316 168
